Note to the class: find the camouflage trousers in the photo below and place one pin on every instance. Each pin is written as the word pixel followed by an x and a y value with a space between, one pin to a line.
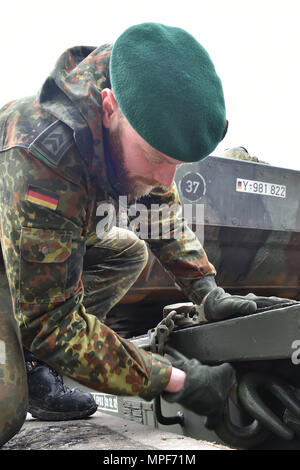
pixel 110 268
pixel 13 380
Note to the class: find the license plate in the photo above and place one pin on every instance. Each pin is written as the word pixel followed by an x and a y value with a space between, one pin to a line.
pixel 260 187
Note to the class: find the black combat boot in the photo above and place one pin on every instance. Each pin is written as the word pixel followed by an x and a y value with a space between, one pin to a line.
pixel 49 398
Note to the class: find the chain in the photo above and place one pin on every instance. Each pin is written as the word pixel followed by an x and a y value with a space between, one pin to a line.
pixel 188 315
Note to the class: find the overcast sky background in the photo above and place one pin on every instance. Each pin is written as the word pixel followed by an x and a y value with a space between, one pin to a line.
pixel 253 43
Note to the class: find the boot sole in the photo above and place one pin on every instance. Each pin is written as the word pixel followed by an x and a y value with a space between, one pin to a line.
pixel 44 415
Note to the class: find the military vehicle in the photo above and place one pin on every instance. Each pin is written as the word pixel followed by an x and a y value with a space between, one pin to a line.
pixel 250 230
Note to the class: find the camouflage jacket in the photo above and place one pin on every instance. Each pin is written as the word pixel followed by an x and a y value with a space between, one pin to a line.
pixel 58 135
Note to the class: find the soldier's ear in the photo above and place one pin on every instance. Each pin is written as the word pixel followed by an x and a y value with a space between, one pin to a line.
pixel 109 107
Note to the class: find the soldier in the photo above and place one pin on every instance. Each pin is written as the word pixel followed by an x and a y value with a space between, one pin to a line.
pixel 109 121
pixel 240 153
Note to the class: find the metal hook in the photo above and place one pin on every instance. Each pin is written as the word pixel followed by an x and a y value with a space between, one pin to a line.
pixel 167 420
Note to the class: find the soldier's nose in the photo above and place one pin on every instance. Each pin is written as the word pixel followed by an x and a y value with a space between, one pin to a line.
pixel 166 175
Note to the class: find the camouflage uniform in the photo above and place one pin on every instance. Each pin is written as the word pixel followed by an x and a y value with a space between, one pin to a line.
pixel 13 380
pixel 240 153
pixel 62 278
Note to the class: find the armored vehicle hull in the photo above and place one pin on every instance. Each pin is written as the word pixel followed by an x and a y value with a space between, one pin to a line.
pixel 251 228
pixel 249 225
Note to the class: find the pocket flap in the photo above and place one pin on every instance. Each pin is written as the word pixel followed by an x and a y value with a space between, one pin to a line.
pixel 45 245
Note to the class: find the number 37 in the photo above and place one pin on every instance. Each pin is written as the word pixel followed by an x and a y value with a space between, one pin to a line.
pixel 192 186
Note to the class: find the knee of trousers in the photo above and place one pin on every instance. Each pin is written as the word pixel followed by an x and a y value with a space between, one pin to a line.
pixel 138 251
pixel 127 246
pixel 13 386
pixel 12 421
pixel 13 383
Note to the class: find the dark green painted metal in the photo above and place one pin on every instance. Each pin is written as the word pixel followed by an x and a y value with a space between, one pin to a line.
pixel 261 336
pixel 239 435
pixel 254 405
pixel 253 240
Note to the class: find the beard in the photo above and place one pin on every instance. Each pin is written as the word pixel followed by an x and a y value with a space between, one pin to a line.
pixel 134 187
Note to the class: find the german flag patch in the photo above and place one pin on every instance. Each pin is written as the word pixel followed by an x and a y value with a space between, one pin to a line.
pixel 42 197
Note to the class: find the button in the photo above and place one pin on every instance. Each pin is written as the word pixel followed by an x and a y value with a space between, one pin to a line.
pixel 45 250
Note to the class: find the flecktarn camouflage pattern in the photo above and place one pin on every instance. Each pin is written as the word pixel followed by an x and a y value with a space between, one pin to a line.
pixel 13 380
pixel 62 277
pixel 240 153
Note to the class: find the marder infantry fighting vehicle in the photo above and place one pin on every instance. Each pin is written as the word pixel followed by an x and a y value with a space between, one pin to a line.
pixel 251 233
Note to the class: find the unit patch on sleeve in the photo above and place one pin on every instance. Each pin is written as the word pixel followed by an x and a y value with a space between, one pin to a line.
pixel 51 145
pixel 42 197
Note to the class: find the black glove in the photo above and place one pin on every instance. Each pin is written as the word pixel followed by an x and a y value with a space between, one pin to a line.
pixel 205 389
pixel 219 305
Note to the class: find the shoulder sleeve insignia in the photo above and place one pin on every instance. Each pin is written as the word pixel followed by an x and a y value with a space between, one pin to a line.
pixel 51 145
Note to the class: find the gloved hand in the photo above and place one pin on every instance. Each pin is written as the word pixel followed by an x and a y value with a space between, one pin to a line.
pixel 219 305
pixel 205 389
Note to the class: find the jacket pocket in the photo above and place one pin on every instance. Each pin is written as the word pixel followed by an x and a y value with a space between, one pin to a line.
pixel 44 255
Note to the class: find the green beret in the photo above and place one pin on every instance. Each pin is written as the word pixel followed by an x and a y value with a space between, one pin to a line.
pixel 166 86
